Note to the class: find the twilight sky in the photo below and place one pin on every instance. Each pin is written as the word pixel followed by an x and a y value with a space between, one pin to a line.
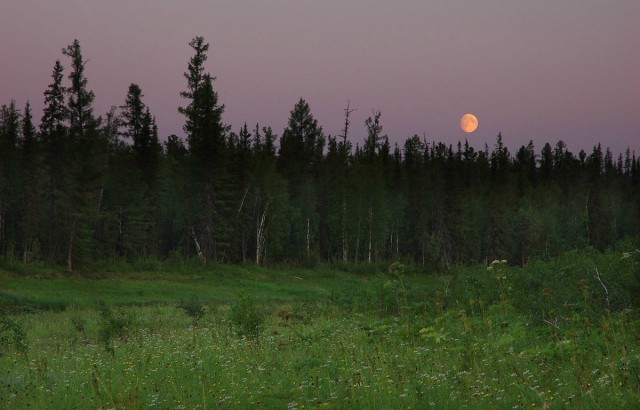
pixel 541 70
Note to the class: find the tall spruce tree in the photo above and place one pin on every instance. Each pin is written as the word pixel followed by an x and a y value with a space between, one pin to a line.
pixel 299 160
pixel 9 204
pixel 31 189
pixel 268 201
pixel 86 169
pixel 56 158
pixel 140 128
pixel 373 202
pixel 209 207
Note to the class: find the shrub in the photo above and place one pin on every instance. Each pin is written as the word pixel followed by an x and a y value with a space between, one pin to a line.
pixel 112 325
pixel 193 307
pixel 12 333
pixel 246 317
pixel 384 294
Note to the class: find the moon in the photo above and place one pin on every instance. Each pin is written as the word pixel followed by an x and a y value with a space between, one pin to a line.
pixel 469 123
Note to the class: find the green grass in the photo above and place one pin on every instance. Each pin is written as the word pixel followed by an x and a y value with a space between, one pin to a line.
pixel 221 284
pixel 330 340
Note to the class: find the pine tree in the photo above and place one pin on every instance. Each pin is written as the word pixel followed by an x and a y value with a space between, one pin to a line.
pixel 84 187
pixel 203 125
pixel 210 207
pixel 141 129
pixel 268 201
pixel 173 225
pixel 133 113
pixel 55 111
pixel 56 158
pixel 31 188
pixel 9 203
pixel 299 160
pixel 335 196
pixel 373 220
pixel 80 99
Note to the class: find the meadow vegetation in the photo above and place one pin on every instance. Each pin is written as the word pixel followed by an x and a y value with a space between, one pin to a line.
pixel 553 334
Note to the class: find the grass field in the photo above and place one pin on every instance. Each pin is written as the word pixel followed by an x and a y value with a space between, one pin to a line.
pixel 547 336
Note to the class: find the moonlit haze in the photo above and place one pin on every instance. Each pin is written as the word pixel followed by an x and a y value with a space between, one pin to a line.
pixel 540 70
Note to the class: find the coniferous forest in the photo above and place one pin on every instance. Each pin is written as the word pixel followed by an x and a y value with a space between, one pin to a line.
pixel 81 187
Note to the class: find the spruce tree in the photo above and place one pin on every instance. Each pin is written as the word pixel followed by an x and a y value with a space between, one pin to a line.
pixel 85 172
pixel 56 158
pixel 268 201
pixel 31 188
pixel 300 157
pixel 208 201
pixel 9 203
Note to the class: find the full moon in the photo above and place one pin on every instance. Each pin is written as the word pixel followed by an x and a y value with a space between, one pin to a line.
pixel 469 123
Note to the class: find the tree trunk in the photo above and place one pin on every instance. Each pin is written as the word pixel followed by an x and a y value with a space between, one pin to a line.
pixel 1 228
pixel 308 238
pixel 261 233
pixel 357 243
pixel 344 231
pixel 70 249
pixel 195 241
pixel 370 230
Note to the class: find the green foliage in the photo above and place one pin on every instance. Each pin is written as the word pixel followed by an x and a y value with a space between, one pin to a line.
pixel 113 325
pixel 384 294
pixel 79 323
pixel 247 316
pixel 419 339
pixel 12 333
pixel 193 307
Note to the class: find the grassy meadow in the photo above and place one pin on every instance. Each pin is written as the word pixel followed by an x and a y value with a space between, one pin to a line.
pixel 556 334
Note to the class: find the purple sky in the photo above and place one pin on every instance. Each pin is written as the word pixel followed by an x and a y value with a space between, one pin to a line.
pixel 542 70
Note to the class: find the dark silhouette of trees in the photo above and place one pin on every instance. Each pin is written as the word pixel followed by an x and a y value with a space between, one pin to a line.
pixel 78 189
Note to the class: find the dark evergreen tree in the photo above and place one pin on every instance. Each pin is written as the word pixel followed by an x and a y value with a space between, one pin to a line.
pixel 56 158
pixel 174 232
pixel 210 205
pixel 374 205
pixel 336 196
pixel 268 201
pixel 299 161
pixel 141 129
pixel 9 203
pixel 31 189
pixel 84 188
pixel 55 110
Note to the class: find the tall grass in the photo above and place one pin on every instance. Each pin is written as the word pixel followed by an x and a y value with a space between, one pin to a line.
pixel 547 336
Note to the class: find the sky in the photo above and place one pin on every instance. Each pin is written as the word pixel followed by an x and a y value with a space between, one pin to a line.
pixel 539 70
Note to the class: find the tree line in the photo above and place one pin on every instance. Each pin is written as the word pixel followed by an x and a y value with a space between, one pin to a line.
pixel 81 187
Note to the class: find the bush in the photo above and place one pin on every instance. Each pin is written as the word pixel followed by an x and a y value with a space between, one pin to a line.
pixel 384 295
pixel 112 325
pixel 193 307
pixel 246 317
pixel 471 286
pixel 12 333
